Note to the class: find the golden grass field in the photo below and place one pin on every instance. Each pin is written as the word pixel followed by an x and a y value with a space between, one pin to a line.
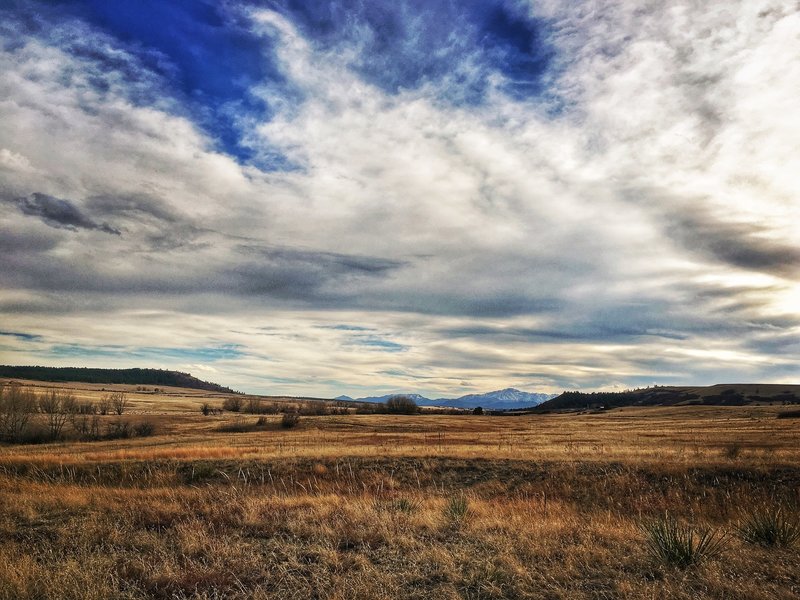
pixel 367 506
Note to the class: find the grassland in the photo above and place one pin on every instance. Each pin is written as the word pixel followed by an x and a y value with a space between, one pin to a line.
pixel 378 506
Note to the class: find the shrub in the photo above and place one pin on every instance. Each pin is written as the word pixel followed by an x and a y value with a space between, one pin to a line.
pixel 205 409
pixel 401 405
pixel 87 428
pixel 118 431
pixel 478 410
pixel 681 545
pixel 769 527
pixel 144 428
pixel 254 406
pixel 732 451
pixel 315 407
pixel 289 420
pixel 232 404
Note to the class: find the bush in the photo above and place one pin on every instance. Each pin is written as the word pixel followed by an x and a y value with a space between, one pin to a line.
pixel 315 407
pixel 144 429
pixel 289 420
pixel 205 409
pixel 769 527
pixel 232 404
pixel 118 431
pixel 732 451
pixel 254 406
pixel 401 405
pixel 681 545
pixel 478 410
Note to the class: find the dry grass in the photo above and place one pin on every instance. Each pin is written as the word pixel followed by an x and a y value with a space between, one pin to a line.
pixel 546 506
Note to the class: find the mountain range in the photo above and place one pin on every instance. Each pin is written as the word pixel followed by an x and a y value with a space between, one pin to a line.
pixel 508 398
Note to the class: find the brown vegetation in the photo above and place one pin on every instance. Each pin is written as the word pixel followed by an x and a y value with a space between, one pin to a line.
pixel 393 506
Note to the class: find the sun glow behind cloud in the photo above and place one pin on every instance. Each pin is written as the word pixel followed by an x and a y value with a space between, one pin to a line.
pixel 435 197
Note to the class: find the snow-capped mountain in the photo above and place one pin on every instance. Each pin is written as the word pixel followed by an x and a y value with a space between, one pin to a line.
pixel 508 398
pixel 420 400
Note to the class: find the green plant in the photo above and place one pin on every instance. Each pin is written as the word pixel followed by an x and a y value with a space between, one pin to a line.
pixel 769 527
pixel 405 505
pixel 682 545
pixel 457 508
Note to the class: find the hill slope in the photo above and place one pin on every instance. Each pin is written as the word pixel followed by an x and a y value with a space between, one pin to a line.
pixel 718 395
pixel 125 376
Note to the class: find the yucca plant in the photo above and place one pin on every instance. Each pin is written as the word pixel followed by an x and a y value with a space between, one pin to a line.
pixel 457 508
pixel 405 505
pixel 769 527
pixel 682 545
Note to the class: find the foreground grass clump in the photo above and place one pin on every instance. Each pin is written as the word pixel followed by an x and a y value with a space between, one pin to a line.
pixel 770 527
pixel 457 509
pixel 680 545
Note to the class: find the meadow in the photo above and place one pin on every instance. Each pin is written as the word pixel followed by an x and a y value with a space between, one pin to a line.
pixel 550 506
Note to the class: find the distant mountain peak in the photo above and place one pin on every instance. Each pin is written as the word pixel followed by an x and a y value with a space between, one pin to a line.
pixel 507 398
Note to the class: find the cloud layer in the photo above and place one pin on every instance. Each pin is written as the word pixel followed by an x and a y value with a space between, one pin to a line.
pixel 438 197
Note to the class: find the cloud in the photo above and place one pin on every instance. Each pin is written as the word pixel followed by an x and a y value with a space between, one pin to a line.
pixel 745 245
pixel 60 213
pixel 531 194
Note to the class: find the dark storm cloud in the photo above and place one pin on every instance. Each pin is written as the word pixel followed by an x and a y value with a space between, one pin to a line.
pixel 60 213
pixel 138 206
pixel 737 244
pixel 27 337
pixel 303 274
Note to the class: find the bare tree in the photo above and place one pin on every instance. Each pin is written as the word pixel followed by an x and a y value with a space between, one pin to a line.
pixel 104 405
pixel 57 406
pixel 401 405
pixel 254 405
pixel 17 405
pixel 119 402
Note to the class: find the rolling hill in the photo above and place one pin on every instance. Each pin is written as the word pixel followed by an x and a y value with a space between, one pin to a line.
pixel 717 395
pixel 124 376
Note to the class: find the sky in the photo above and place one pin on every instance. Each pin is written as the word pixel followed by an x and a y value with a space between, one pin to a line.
pixel 434 196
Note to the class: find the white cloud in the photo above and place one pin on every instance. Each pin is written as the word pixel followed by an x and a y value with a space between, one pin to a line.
pixel 651 217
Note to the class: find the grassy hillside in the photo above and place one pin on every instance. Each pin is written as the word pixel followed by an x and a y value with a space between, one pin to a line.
pixel 159 377
pixel 715 395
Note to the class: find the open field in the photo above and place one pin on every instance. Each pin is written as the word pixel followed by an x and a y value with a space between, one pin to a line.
pixel 382 506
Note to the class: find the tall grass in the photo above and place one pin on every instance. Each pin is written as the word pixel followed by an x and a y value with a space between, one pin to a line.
pixel 769 527
pixel 680 545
